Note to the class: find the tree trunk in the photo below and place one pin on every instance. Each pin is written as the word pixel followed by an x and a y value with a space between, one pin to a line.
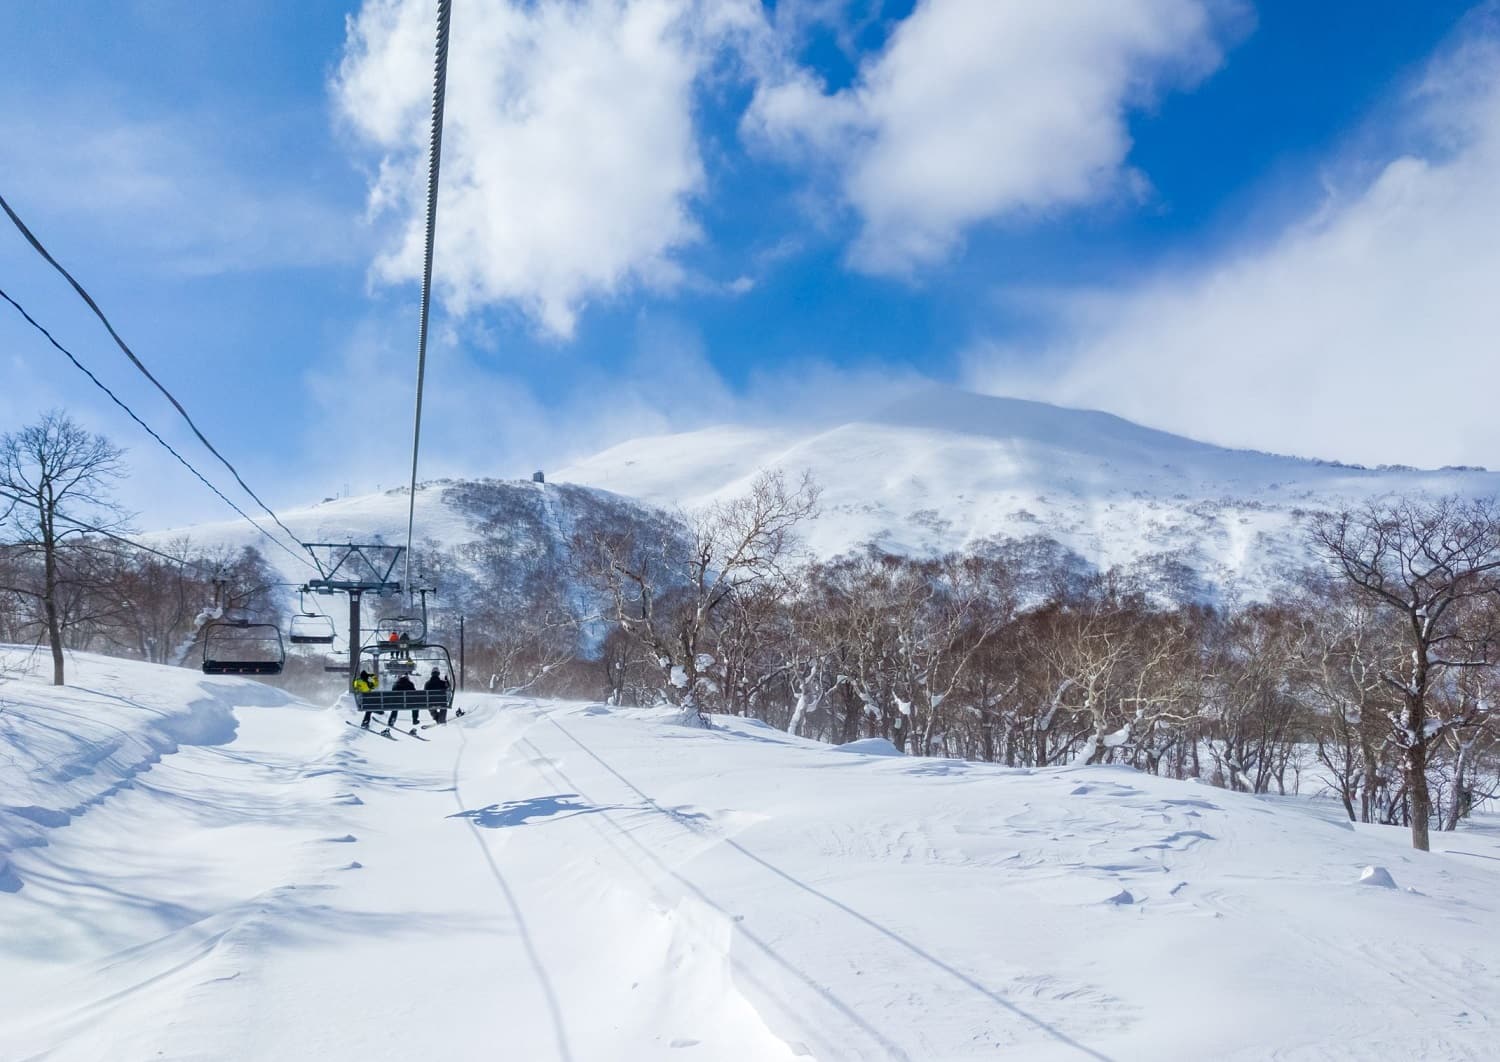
pixel 1421 800
pixel 49 603
pixel 1459 807
pixel 1367 797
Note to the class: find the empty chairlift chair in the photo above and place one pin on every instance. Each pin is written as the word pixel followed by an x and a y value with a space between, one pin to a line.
pixel 239 647
pixel 311 629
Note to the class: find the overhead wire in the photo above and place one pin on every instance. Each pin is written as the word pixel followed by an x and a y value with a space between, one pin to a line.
pixel 125 348
pixel 146 427
pixel 117 537
pixel 434 162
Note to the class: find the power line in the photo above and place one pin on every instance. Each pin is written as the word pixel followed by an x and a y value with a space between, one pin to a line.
pixel 149 430
pixel 108 534
pixel 434 160
pixel 41 250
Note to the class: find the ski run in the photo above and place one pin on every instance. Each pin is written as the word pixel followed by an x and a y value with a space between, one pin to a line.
pixel 197 868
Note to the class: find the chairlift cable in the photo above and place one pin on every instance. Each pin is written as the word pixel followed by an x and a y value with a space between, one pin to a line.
pixel 434 161
pixel 124 347
pixel 148 429
pixel 212 573
pixel 80 525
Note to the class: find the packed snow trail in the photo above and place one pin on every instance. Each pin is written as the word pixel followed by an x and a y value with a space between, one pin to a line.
pixel 203 869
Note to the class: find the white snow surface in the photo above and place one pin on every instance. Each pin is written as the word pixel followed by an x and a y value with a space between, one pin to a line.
pixel 941 468
pixel 205 869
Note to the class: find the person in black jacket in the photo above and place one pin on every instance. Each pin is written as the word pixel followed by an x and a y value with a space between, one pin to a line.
pixel 405 685
pixel 437 682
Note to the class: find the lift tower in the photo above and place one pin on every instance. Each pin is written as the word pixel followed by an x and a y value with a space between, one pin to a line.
pixel 355 569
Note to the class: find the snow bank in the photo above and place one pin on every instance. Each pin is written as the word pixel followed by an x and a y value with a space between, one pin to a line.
pixel 68 749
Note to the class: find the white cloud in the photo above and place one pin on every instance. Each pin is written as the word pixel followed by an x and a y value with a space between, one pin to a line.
pixel 1366 332
pixel 978 110
pixel 570 159
pixel 500 424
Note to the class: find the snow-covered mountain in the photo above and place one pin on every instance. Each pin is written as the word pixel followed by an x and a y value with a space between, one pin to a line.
pixel 936 471
pixel 522 526
pixel 944 468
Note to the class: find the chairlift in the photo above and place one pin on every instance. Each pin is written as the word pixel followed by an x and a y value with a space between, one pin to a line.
pixel 309 627
pixel 414 659
pixel 394 630
pixel 240 647
pixel 311 630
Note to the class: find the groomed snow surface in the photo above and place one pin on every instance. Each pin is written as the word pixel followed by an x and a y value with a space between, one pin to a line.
pixel 201 868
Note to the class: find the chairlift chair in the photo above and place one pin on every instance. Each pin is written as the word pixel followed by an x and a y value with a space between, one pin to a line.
pixel 408 658
pixel 240 647
pixel 309 627
pixel 411 630
pixel 311 630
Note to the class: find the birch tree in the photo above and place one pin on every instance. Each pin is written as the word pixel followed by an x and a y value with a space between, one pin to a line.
pixel 1434 564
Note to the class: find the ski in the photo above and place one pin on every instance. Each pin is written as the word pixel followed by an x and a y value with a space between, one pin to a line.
pixel 458 715
pixel 371 730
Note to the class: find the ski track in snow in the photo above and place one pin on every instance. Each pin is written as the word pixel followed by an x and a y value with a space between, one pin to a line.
pixel 206 869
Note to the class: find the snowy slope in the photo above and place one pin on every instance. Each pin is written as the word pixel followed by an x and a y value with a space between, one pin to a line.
pixel 365 518
pixel 494 536
pixel 943 468
pixel 565 881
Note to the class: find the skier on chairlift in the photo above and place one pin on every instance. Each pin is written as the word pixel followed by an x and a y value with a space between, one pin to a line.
pixel 364 684
pixel 403 684
pixel 436 682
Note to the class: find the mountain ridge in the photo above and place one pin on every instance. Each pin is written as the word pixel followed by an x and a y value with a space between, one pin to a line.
pixel 934 471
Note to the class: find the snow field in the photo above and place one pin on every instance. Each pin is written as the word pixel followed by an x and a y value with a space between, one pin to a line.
pixel 565 881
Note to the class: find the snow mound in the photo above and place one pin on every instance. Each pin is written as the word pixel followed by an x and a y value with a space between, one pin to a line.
pixel 1378 877
pixel 875 746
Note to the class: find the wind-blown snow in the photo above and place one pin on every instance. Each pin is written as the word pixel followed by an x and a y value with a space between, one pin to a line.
pixel 567 881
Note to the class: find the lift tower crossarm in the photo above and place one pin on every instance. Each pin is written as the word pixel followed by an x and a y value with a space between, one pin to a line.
pixel 355 569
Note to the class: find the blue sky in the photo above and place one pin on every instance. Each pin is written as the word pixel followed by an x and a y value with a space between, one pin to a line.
pixel 1249 222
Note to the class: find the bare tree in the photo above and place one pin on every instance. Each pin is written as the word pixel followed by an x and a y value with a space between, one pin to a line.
pixel 55 471
pixel 1434 564
pixel 668 597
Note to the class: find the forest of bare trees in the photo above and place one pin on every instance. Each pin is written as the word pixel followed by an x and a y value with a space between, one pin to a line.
pixel 1369 678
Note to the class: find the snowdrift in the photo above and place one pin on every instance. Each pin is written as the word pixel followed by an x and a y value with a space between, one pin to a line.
pixel 208 870
pixel 68 749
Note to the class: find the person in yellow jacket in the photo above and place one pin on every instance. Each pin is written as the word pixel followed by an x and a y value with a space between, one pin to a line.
pixel 364 684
